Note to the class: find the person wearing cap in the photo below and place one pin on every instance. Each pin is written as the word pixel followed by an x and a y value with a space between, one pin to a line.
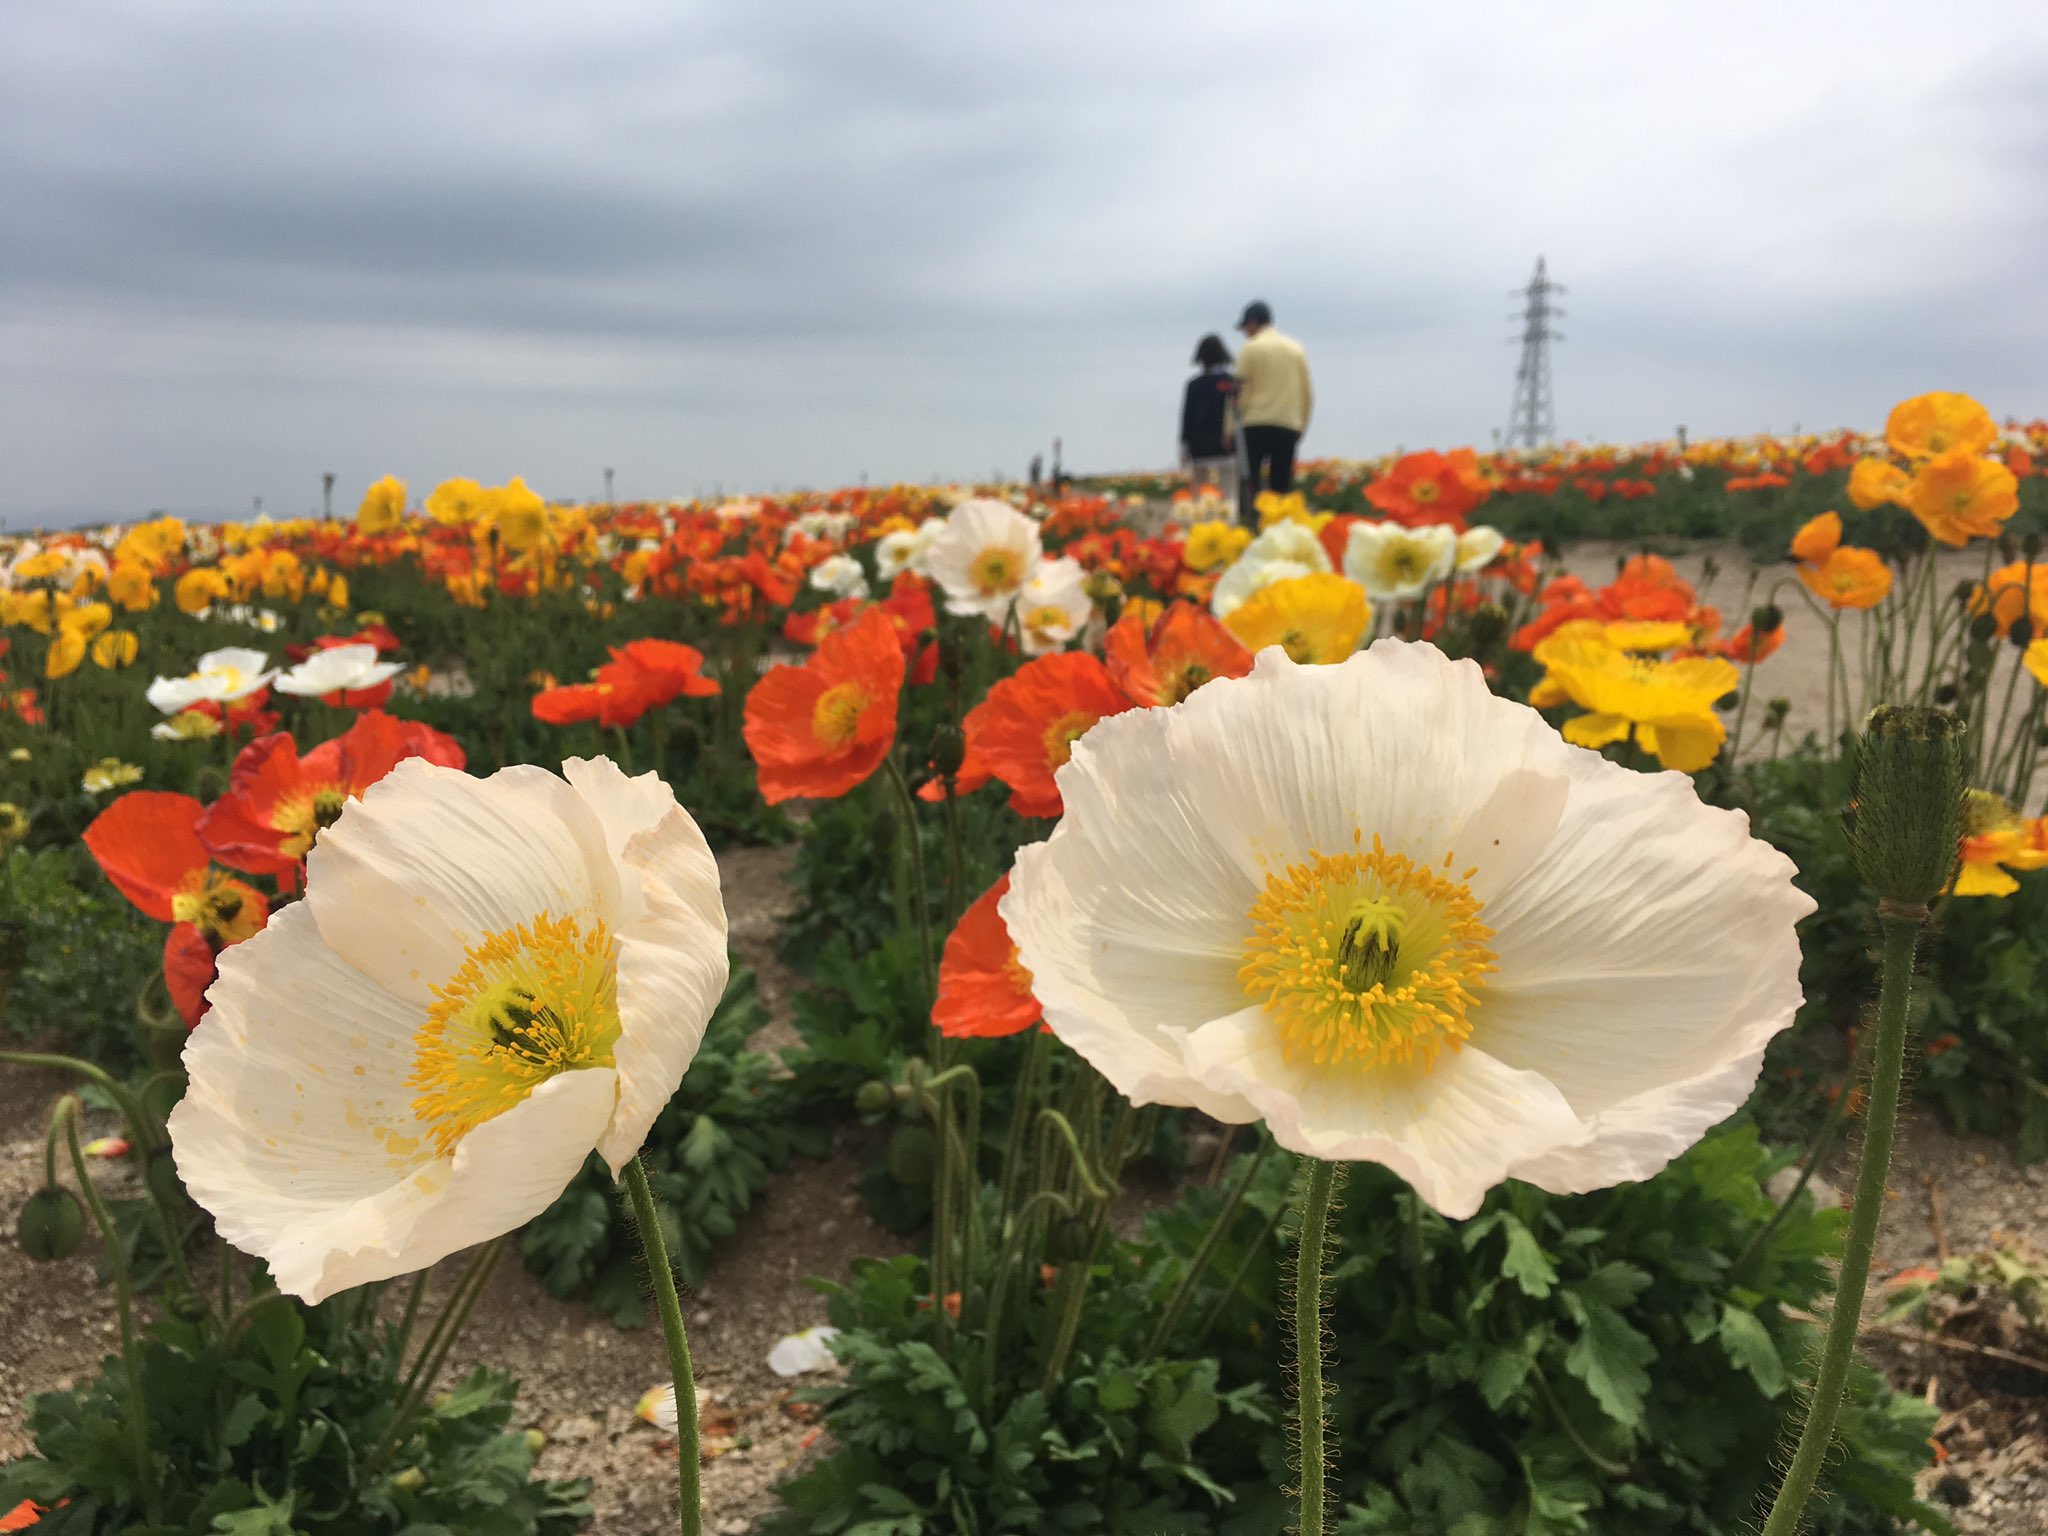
pixel 1274 399
pixel 1208 421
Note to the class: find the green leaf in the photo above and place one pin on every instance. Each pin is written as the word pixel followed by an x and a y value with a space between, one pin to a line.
pixel 1750 1345
pixel 1525 1262
pixel 1609 1356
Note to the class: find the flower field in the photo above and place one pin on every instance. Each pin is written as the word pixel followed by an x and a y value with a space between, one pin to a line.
pixel 1389 1021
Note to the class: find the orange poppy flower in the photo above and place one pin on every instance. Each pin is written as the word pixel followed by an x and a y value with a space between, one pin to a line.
pixel 821 728
pixel 25 1515
pixel 278 802
pixel 1429 487
pixel 1849 578
pixel 983 989
pixel 1959 496
pixel 1749 647
pixel 1180 651
pixel 1875 483
pixel 1817 538
pixel 1025 730
pixel 148 843
pixel 2013 591
pixel 642 675
pixel 1930 425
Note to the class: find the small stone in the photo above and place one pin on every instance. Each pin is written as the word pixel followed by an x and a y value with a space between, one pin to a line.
pixel 1825 1196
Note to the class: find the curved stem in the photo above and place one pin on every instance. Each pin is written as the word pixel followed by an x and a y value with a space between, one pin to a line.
pixel 689 1472
pixel 1321 1180
pixel 1901 933
pixel 1226 1218
pixel 137 1408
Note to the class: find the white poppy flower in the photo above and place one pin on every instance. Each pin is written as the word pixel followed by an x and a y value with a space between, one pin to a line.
pixel 1282 552
pixel 895 550
pixel 221 676
pixel 350 667
pixel 1477 548
pixel 840 576
pixel 983 557
pixel 487 979
pixel 1401 921
pixel 1053 606
pixel 1394 563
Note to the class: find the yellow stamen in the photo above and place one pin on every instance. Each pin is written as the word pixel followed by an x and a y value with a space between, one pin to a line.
pixel 527 1003
pixel 835 718
pixel 1366 959
pixel 994 570
pixel 1061 735
pixel 217 905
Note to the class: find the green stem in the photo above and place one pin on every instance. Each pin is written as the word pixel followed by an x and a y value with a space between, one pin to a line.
pixel 1074 1273
pixel 688 1468
pixel 1313 1455
pixel 1236 1283
pixel 137 1407
pixel 1901 931
pixel 921 914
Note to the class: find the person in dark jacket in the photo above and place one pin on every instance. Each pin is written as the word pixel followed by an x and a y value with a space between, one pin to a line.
pixel 1208 421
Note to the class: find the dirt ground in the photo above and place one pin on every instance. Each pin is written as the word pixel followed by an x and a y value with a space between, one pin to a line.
pixel 581 1377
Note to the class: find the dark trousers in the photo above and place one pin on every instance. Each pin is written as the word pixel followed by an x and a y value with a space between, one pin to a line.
pixel 1269 456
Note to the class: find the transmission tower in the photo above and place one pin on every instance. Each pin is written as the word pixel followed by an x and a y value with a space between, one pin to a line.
pixel 1531 420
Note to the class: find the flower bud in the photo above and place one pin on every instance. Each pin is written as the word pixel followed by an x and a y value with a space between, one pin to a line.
pixel 2030 547
pixel 51 1224
pixel 409 1479
pixel 874 1097
pixel 1905 815
pixel 1488 625
pixel 1983 627
pixel 1767 618
pixel 949 750
pixel 913 1152
pixel 1775 712
pixel 2022 632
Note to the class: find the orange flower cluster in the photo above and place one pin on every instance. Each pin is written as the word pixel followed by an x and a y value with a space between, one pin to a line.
pixel 1648 589
pixel 1947 481
pixel 1838 574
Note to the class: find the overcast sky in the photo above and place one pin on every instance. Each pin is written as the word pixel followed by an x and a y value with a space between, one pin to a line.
pixel 767 244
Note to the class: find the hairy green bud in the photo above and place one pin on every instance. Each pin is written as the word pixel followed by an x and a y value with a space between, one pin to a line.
pixel 1905 815
pixel 949 750
pixel 913 1153
pixel 51 1224
pixel 873 1097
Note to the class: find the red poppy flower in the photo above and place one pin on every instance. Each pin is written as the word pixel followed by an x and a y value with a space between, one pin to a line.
pixel 821 728
pixel 1184 649
pixel 983 988
pixel 148 843
pixel 278 802
pixel 1025 730
pixel 1429 487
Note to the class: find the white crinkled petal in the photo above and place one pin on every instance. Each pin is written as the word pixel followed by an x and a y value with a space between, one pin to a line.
pixel 673 965
pixel 1452 1130
pixel 405 883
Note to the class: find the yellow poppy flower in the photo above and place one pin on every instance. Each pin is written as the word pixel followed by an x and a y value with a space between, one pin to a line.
pixel 1318 618
pixel 1213 545
pixel 132 586
pixel 65 653
pixel 115 648
pixel 383 507
pixel 1668 706
pixel 198 589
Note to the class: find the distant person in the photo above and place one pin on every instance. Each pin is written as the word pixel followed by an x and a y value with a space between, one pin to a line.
pixel 1208 420
pixel 1037 470
pixel 1273 403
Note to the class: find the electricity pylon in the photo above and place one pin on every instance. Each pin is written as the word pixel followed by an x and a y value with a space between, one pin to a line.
pixel 1531 420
